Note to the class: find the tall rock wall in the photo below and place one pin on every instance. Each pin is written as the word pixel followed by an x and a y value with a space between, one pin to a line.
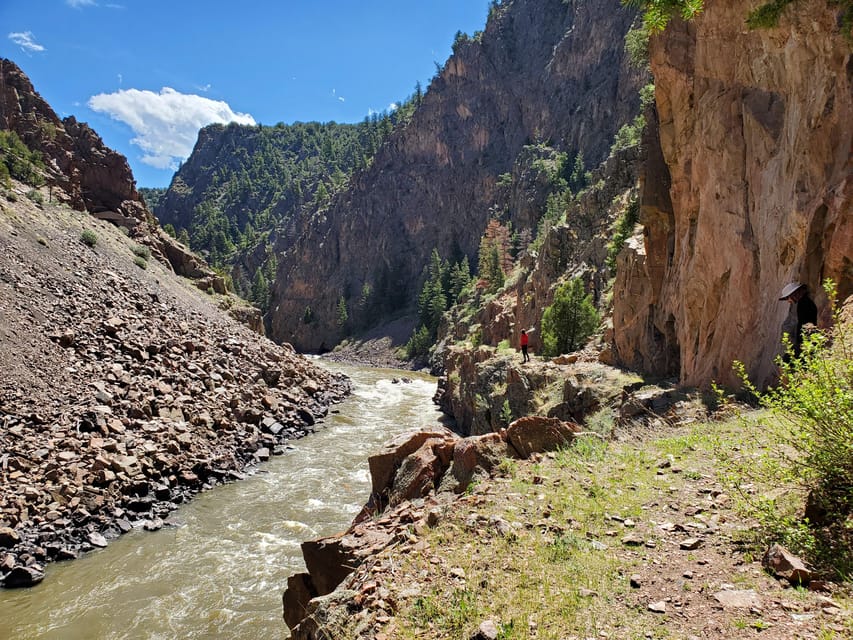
pixel 755 141
pixel 543 70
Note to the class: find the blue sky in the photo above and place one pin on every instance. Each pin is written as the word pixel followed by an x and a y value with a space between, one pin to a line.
pixel 146 74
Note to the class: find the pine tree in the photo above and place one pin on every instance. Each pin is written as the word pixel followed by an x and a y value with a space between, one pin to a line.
pixel 569 320
pixel 343 315
pixel 260 290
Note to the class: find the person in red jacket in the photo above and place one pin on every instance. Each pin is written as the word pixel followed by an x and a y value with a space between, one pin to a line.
pixel 524 342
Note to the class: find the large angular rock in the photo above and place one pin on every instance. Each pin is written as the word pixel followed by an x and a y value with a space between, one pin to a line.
pixel 419 472
pixel 9 537
pixel 384 465
pixel 477 452
pixel 329 560
pixel 536 434
pixel 784 564
pixel 23 577
pixel 326 615
pixel 300 590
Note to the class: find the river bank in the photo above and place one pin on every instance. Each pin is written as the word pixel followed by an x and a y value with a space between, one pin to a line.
pixel 219 570
pixel 640 537
pixel 125 390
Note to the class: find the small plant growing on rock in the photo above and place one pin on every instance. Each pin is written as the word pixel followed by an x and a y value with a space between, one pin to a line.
pixel 35 196
pixel 89 237
pixel 506 412
pixel 140 262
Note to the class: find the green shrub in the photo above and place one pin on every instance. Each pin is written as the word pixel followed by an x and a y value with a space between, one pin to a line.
pixel 811 418
pixel 637 47
pixel 624 230
pixel 629 135
pixel 506 412
pixel 140 262
pixel 89 237
pixel 767 15
pixel 569 320
pixel 141 251
pixel 21 163
pixel 35 196
pixel 657 13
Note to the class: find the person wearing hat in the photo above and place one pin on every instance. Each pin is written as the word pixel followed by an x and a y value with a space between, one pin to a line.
pixel 796 293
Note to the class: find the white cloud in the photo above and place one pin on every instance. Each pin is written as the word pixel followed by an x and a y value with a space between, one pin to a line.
pixel 393 106
pixel 77 4
pixel 166 124
pixel 342 99
pixel 24 39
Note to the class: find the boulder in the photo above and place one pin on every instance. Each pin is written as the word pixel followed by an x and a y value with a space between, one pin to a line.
pixel 418 473
pixel 329 560
pixel 21 577
pixel 384 465
pixel 535 434
pixel 9 537
pixel 477 452
pixel 327 612
pixel 783 564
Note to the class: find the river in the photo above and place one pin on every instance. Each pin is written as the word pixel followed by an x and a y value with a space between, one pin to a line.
pixel 220 572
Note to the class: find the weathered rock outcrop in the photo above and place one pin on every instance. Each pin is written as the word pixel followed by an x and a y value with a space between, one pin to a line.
pixel 483 387
pixel 755 161
pixel 541 70
pixel 313 599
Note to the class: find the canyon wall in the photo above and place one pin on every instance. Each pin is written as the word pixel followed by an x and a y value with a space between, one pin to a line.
pixel 543 70
pixel 749 186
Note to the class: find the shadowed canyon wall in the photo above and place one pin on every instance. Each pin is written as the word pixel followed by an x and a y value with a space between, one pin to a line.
pixel 749 188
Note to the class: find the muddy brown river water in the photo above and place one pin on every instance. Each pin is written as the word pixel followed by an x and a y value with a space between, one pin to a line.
pixel 221 572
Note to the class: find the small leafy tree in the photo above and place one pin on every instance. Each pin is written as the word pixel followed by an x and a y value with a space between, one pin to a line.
pixel 570 319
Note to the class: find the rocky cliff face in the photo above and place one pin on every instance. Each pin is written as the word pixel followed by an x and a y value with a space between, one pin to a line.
pixel 87 175
pixel 749 188
pixel 542 70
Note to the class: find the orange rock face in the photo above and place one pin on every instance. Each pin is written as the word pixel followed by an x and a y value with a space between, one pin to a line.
pixel 755 156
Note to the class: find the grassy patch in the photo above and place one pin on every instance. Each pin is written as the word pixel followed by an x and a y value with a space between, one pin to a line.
pixel 564 571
